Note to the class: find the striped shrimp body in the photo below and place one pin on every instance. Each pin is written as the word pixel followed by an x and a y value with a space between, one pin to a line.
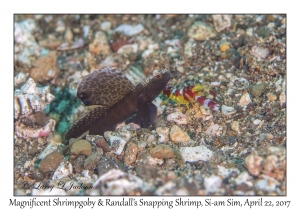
pixel 192 93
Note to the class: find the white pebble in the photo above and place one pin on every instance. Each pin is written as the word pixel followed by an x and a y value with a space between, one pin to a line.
pixel 125 135
pixel 212 184
pixel 244 177
pixel 154 161
pixel 150 138
pixel 245 100
pixel 118 143
pixel 49 149
pixel 128 48
pixel 256 122
pixel 221 22
pixel 278 85
pixel 130 30
pixel 215 84
pixel 259 52
pixel 65 169
pixel 86 30
pixel 193 154
pixel 212 130
pixel 249 31
pixel 282 99
pixel 222 171
pixel 238 83
pixel 178 117
pixel 105 26
pixel 227 110
pixel 163 133
pixel 20 78
pixel 235 126
pixel 266 185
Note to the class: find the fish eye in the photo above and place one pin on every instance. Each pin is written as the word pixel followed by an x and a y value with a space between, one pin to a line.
pixel 157 76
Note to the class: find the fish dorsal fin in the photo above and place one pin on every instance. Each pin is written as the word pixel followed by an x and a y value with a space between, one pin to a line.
pixel 103 87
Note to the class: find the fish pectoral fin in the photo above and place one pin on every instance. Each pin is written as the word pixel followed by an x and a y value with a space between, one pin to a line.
pixel 145 115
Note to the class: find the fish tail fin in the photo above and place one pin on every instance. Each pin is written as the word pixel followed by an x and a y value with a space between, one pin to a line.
pixel 81 126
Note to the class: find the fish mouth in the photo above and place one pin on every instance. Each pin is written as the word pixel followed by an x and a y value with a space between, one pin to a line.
pixel 166 74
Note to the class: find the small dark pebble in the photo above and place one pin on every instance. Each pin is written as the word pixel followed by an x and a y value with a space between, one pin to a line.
pixel 37 175
pixel 233 174
pixel 142 131
pixel 192 187
pixel 268 117
pixel 146 173
pixel 256 90
pixel 228 191
pixel 132 56
pixel 106 164
pixel 33 151
pixel 101 143
pixel 239 109
pixel 25 186
pixel 91 161
pixel 79 163
pixel 40 118
pixel 263 32
pixel 51 162
pixel 243 187
pixel 250 130
pixel 265 111
pixel 232 140
pixel 251 107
